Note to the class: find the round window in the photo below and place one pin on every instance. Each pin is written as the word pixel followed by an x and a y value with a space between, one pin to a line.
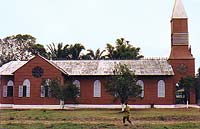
pixel 37 72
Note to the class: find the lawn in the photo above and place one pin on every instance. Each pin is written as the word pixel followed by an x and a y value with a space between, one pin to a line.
pixel 99 119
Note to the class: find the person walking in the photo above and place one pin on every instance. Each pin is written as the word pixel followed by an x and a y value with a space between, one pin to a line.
pixel 126 114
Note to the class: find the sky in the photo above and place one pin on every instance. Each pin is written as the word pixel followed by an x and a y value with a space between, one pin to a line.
pixel 94 23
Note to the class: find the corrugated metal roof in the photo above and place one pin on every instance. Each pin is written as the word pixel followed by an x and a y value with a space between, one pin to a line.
pixel 179 10
pixel 100 67
pixel 10 67
pixel 106 67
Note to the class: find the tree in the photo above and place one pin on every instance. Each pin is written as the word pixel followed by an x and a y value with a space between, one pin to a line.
pixel 38 49
pixel 75 51
pixel 122 84
pixel 68 52
pixel 16 47
pixel 186 83
pixel 123 50
pixel 91 55
pixel 197 85
pixel 58 52
pixel 197 80
pixel 68 91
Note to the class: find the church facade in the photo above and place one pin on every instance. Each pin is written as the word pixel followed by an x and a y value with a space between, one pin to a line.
pixel 21 81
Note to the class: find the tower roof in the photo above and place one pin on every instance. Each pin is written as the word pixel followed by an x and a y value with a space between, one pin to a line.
pixel 179 10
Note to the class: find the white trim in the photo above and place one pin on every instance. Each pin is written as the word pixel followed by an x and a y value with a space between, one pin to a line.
pixel 85 106
pixel 42 91
pixel 78 85
pixel 36 106
pixel 27 83
pixel 20 91
pixel 97 88
pixel 71 106
pixel 161 89
pixel 141 83
pixel 10 83
pixel 6 105
pixel 5 91
pixel 164 106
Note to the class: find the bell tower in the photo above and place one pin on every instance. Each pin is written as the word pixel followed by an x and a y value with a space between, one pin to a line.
pixel 181 57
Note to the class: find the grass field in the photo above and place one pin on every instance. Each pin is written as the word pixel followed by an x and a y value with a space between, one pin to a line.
pixel 99 119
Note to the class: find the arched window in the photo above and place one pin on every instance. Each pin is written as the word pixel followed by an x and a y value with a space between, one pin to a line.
pixel 97 88
pixel 8 89
pixel 161 88
pixel 45 88
pixel 77 84
pixel 141 83
pixel 24 90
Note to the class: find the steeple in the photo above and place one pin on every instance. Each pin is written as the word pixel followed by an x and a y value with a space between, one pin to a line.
pixel 179 10
pixel 179 33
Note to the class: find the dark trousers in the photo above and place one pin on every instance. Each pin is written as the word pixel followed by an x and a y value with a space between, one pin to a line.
pixel 126 118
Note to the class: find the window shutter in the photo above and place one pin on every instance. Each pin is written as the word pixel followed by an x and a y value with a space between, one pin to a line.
pixel 4 91
pixel 97 88
pixel 28 91
pixel 42 91
pixel 20 93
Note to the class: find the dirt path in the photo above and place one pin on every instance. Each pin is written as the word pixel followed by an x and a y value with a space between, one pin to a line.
pixel 116 122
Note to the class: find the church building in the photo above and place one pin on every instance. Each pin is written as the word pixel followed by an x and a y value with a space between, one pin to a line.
pixel 21 81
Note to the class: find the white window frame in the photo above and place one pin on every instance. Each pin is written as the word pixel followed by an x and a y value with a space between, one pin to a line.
pixel 4 91
pixel 43 90
pixel 97 88
pixel 141 83
pixel 77 84
pixel 5 88
pixel 20 92
pixel 161 89
pixel 27 83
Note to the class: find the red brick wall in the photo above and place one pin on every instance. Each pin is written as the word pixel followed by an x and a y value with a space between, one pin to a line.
pixel 87 83
pixel 190 71
pixel 4 81
pixel 179 25
pixel 181 58
pixel 25 72
pixel 150 91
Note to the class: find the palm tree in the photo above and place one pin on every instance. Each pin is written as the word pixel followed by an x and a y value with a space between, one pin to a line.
pixel 75 51
pixel 59 52
pixel 98 55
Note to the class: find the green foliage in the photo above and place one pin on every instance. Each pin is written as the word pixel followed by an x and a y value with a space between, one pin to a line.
pixel 122 84
pixel 187 84
pixel 38 49
pixel 67 52
pixel 16 47
pixel 56 89
pixel 197 80
pixel 57 52
pixel 22 47
pixel 123 50
pixel 75 51
pixel 68 91
pixel 91 55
